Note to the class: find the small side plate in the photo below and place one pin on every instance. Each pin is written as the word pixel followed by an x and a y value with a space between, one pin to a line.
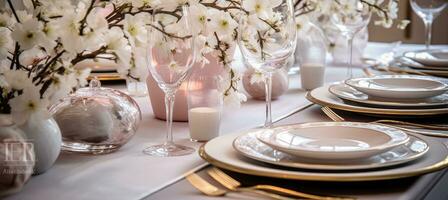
pixel 399 86
pixel 333 140
pixel 436 57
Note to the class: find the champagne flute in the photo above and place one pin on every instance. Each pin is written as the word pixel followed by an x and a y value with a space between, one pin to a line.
pixel 355 17
pixel 267 38
pixel 171 55
pixel 428 10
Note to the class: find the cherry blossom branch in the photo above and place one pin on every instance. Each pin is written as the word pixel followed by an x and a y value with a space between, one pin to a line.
pixel 83 22
pixel 81 56
pixel 376 7
pixel 169 34
pixel 13 10
pixel 213 5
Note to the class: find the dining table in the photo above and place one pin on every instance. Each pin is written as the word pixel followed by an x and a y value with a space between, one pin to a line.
pixel 130 174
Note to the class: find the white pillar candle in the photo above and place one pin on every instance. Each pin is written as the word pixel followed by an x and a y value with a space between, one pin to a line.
pixel 204 123
pixel 312 75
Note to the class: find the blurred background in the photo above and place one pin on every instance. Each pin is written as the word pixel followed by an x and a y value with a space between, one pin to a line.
pixel 415 31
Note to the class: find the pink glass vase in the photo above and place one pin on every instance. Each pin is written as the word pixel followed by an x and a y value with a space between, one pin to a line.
pixel 180 113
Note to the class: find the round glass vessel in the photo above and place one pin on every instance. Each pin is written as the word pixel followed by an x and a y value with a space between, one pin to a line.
pixel 96 120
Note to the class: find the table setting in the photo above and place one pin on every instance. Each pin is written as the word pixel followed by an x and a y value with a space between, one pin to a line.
pixel 246 99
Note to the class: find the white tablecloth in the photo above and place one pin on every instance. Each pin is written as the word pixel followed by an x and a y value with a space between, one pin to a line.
pixel 129 174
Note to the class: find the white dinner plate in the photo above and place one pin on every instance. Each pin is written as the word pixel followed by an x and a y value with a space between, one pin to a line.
pixel 416 65
pixel 348 93
pixel 333 140
pixel 220 153
pixel 323 97
pixel 399 86
pixel 436 57
pixel 249 146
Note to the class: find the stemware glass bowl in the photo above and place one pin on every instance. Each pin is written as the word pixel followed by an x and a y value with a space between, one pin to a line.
pixel 170 59
pixel 428 10
pixel 350 23
pixel 267 39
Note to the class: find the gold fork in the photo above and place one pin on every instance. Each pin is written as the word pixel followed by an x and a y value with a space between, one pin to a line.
pixel 211 190
pixel 337 118
pixel 233 184
pixel 204 186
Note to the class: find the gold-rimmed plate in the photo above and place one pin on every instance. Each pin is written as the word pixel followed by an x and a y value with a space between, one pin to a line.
pixel 348 93
pixel 219 152
pixel 249 146
pixel 333 141
pixel 323 97
pixel 111 76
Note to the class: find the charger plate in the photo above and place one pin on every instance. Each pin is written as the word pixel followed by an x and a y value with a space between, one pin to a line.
pixel 219 152
pixel 249 146
pixel 323 97
pixel 350 94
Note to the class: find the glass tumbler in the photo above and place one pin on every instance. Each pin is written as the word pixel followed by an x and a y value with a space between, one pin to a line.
pixel 205 102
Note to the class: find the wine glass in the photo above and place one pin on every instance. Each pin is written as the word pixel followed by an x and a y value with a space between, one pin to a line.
pixel 267 38
pixel 354 17
pixel 428 10
pixel 171 55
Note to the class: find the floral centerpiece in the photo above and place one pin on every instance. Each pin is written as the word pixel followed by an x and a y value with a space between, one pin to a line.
pixel 384 13
pixel 42 43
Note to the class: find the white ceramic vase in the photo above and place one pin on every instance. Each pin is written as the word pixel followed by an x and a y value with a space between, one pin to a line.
pixel 46 138
pixel 16 159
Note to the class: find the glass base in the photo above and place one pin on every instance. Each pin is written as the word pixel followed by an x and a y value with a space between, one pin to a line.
pixel 168 150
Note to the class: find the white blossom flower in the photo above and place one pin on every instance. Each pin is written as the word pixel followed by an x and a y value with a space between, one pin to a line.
pixel 263 8
pixel 61 86
pixel 27 104
pixel 17 79
pixel 148 3
pixel 6 42
pixel 256 77
pixel 199 18
pixel 392 9
pixel 69 27
pixel 234 98
pixel 28 34
pixel 402 24
pixel 118 45
pixel 135 29
pixel 32 55
pixel 222 23
pixel 6 20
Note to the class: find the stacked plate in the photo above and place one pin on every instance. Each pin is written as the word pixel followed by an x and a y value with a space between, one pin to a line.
pixel 405 95
pixel 433 62
pixel 327 151
pixel 103 69
pixel 331 146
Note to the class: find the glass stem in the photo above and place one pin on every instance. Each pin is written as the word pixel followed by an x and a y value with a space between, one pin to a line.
pixel 268 92
pixel 169 103
pixel 428 30
pixel 350 61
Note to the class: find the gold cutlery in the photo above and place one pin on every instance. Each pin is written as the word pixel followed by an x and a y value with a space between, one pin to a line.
pixel 337 118
pixel 204 186
pixel 211 190
pixel 232 184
